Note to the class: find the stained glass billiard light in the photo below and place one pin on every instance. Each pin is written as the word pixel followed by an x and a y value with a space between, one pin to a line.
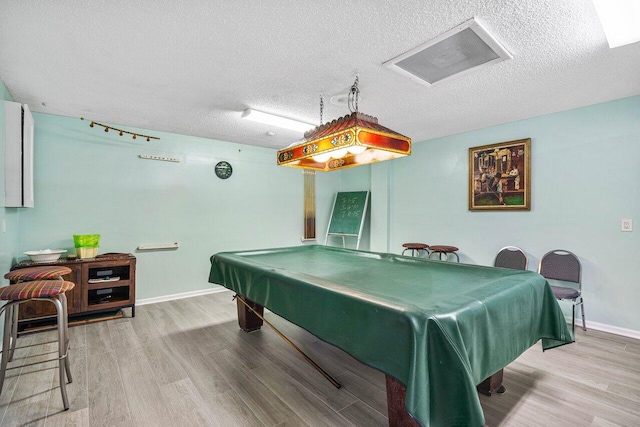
pixel 353 140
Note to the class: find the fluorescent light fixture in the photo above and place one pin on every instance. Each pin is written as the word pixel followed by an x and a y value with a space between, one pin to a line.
pixel 620 20
pixel 273 120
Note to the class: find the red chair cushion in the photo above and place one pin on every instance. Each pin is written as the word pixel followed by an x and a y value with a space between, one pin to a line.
pixel 35 289
pixel 37 273
pixel 443 248
pixel 418 246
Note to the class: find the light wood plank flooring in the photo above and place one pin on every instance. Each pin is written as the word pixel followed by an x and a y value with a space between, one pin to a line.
pixel 186 363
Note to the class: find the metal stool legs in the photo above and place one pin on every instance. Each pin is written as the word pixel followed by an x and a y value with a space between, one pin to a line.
pixel 6 341
pixel 444 249
pixel 415 248
pixel 10 336
pixel 12 314
pixel 446 255
pixel 65 318
pixel 10 332
pixel 63 346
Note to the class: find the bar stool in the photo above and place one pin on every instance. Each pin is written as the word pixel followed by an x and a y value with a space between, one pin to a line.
pixel 415 247
pixel 37 273
pixel 43 272
pixel 443 249
pixel 45 290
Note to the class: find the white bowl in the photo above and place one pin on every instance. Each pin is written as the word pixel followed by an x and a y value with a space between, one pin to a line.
pixel 47 255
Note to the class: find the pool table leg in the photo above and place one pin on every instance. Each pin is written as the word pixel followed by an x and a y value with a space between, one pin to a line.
pixel 398 415
pixel 396 392
pixel 493 384
pixel 247 320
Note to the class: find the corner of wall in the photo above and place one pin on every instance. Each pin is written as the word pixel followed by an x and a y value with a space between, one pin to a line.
pixel 7 246
pixel 380 206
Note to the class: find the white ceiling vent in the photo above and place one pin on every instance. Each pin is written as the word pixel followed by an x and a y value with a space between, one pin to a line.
pixel 468 47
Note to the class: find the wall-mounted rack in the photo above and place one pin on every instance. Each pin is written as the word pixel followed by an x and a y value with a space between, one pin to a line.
pixel 162 158
pixel 158 247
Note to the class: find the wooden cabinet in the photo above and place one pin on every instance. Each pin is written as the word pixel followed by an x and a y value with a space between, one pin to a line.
pixel 108 284
pixel 104 283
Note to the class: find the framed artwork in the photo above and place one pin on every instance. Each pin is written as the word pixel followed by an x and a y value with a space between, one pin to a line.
pixel 500 176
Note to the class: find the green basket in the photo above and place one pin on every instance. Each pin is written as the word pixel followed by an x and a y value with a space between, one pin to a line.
pixel 86 240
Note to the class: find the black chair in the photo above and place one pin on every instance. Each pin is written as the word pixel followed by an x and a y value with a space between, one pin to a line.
pixel 511 257
pixel 562 269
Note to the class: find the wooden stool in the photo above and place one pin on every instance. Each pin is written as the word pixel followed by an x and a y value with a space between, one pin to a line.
pixel 443 249
pixel 46 290
pixel 413 247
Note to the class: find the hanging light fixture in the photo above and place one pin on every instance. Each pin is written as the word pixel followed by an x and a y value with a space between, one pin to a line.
pixel 353 140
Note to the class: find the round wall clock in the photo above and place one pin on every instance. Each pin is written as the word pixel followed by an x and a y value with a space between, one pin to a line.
pixel 223 170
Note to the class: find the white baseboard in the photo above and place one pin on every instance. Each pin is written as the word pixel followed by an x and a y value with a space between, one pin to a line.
pixel 172 297
pixel 611 329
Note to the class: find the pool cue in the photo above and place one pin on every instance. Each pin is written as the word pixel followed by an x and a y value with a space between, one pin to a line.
pixel 335 383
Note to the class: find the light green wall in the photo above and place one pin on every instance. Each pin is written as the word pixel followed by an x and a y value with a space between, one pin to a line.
pixel 88 181
pixel 4 92
pixel 585 179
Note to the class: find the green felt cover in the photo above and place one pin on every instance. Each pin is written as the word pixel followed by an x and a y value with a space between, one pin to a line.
pixel 440 328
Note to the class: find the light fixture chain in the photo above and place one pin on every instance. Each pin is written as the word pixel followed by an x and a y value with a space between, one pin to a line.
pixel 357 91
pixel 354 96
pixel 321 108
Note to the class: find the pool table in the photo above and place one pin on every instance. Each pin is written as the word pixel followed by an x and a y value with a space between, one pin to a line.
pixel 436 329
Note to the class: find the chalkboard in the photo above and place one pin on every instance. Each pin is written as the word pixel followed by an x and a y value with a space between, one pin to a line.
pixel 347 217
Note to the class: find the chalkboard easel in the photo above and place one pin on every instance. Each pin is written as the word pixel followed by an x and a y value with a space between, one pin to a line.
pixel 347 216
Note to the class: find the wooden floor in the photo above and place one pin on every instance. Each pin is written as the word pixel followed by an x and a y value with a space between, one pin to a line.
pixel 186 363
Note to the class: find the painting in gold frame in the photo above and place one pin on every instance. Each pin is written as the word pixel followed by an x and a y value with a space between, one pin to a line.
pixel 500 176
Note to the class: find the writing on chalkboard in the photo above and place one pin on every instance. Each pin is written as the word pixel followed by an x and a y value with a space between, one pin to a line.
pixel 347 216
pixel 349 207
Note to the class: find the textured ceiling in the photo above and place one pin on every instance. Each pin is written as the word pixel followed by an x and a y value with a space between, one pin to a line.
pixel 192 67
